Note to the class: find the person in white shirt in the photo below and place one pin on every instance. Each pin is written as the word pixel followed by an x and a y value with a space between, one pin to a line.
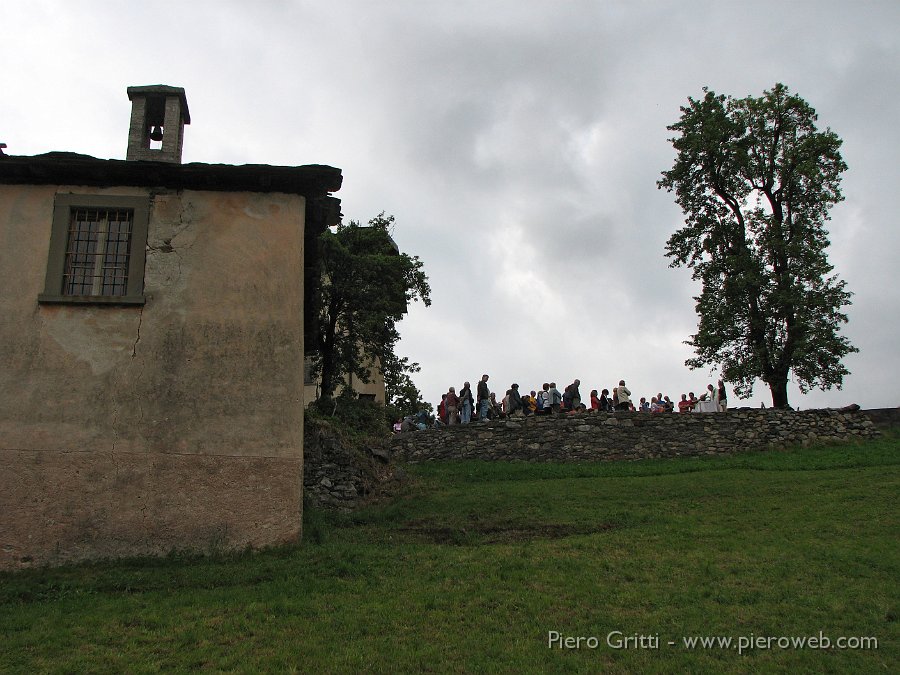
pixel 623 395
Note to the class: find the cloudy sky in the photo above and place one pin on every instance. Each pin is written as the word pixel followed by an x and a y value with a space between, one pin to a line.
pixel 517 143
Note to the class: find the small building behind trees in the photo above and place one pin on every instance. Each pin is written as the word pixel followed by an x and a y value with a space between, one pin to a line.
pixel 373 389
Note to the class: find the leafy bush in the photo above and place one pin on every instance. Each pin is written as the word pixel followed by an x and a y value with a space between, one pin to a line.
pixel 356 417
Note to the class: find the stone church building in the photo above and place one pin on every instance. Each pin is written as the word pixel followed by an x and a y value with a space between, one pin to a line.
pixel 152 337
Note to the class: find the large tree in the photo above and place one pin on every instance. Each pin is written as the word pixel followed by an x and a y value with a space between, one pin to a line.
pixel 366 287
pixel 756 179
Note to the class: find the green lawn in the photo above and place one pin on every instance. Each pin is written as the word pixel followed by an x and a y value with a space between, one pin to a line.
pixel 476 565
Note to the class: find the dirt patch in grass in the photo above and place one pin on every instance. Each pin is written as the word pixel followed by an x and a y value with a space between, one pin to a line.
pixel 478 533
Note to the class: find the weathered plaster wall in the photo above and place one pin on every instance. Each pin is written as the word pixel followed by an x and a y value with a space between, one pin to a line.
pixel 175 425
pixel 627 436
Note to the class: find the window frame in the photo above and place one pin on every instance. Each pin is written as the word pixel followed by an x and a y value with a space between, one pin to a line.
pixel 63 206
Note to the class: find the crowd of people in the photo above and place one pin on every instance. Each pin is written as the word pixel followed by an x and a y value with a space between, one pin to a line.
pixel 466 406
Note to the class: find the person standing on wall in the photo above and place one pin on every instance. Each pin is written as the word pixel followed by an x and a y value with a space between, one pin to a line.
pixel 442 410
pixel 605 404
pixel 465 403
pixel 574 395
pixel 484 398
pixel 514 405
pixel 623 396
pixel 451 405
pixel 555 399
pixel 543 398
pixel 723 397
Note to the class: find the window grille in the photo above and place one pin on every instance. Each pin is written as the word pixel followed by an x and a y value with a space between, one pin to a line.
pixel 98 249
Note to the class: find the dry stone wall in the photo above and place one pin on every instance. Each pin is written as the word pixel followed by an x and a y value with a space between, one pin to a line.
pixel 629 436
pixel 338 473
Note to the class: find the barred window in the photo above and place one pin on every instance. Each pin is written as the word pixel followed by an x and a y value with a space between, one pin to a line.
pixel 97 250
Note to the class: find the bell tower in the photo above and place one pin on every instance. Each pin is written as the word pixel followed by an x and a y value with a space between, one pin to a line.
pixel 158 116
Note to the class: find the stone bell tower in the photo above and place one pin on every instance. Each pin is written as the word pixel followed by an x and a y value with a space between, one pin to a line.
pixel 158 116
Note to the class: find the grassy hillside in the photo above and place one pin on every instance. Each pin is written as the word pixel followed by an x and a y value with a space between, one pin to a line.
pixel 476 567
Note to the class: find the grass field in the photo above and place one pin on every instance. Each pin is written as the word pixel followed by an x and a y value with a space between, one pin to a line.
pixel 476 566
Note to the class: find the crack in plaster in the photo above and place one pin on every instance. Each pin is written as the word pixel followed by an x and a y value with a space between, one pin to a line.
pixel 134 355
pixel 138 338
pixel 167 245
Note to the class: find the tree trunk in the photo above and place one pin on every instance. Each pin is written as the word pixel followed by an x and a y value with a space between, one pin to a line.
pixel 778 388
pixel 327 373
pixel 326 383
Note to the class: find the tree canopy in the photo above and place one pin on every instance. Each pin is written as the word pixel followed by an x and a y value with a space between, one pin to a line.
pixel 366 287
pixel 756 180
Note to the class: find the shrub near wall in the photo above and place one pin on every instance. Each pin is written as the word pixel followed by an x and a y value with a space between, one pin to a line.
pixel 625 436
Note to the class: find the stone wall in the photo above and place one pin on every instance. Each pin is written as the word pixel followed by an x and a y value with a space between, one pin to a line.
pixel 339 473
pixel 628 436
pixel 885 418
